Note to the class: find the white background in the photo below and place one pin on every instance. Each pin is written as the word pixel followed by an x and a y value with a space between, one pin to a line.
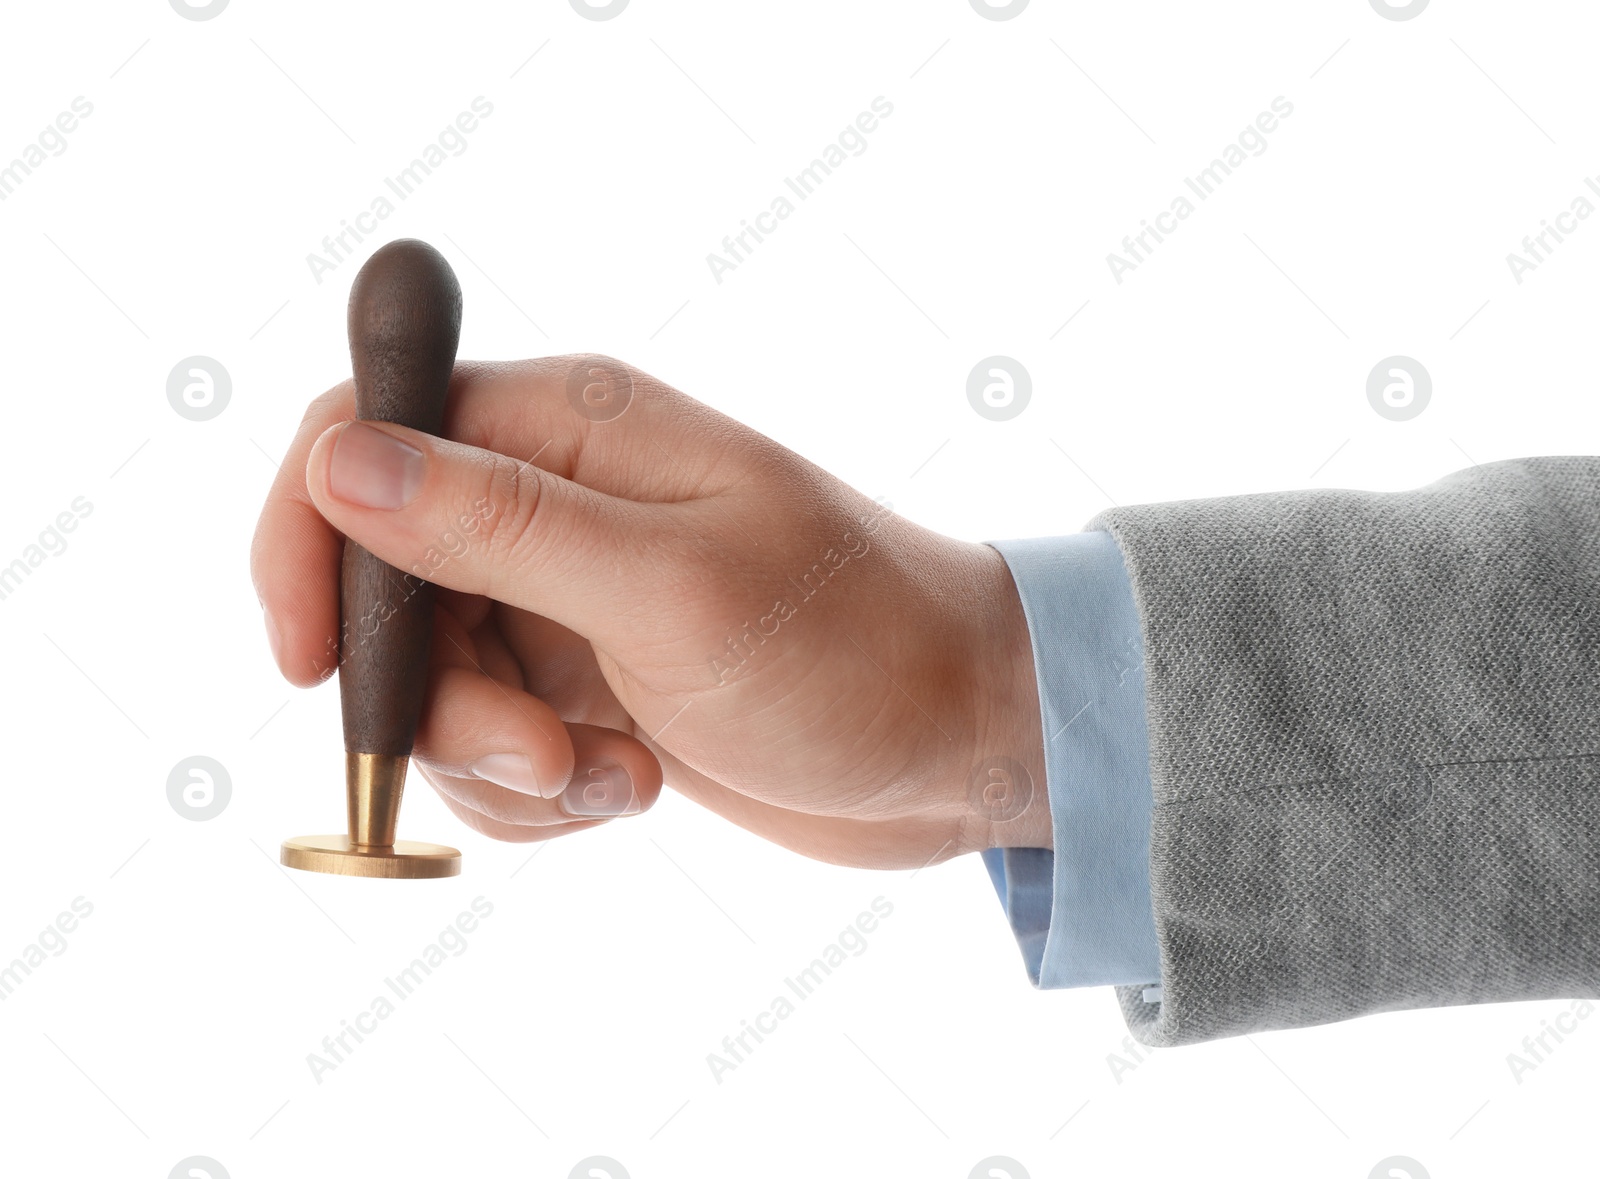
pixel 178 222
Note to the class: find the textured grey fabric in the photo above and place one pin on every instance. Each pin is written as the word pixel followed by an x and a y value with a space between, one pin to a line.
pixel 1374 747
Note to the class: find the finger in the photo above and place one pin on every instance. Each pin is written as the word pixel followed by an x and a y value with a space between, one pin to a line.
pixel 476 728
pixel 516 532
pixel 589 418
pixel 614 774
pixel 614 777
pixel 294 562
pixel 468 609
pixel 469 718
pixel 495 658
pixel 559 666
pixel 524 409
pixel 505 832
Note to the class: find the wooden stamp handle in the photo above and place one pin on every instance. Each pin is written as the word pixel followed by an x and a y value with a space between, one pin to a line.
pixel 405 323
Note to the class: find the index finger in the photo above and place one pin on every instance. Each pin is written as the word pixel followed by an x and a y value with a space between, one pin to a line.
pixel 534 410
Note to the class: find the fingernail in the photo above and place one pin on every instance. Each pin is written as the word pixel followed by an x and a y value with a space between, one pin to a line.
pixel 601 791
pixel 513 771
pixel 373 469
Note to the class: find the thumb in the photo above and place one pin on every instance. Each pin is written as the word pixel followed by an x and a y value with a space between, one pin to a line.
pixel 482 523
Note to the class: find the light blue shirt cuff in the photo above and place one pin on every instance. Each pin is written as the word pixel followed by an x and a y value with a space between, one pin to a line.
pixel 1082 914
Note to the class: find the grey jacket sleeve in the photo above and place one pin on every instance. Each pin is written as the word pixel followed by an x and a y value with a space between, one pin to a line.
pixel 1374 724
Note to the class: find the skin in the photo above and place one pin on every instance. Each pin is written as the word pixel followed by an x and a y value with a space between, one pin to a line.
pixel 585 619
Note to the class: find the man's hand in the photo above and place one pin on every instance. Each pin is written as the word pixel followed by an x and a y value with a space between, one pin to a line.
pixel 663 590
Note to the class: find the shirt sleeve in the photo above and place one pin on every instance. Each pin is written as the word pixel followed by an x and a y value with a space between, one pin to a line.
pixel 1081 914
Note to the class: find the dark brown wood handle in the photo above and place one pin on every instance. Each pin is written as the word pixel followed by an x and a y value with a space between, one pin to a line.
pixel 405 322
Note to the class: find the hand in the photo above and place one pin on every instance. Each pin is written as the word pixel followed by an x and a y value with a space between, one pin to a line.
pixel 666 592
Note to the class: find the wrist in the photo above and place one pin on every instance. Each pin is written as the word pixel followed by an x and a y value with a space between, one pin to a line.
pixel 1007 798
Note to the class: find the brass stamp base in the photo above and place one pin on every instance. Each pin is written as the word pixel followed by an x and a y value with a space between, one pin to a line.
pixel 401 860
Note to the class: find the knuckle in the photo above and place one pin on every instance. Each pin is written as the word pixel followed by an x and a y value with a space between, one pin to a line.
pixel 516 492
pixel 583 359
pixel 602 388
